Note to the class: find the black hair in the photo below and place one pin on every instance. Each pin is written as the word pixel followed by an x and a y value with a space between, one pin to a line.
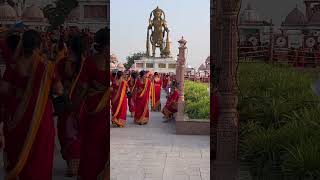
pixel 134 75
pixel 119 74
pixel 114 74
pixel 102 38
pixel 142 73
pixel 13 41
pixel 31 40
pixel 76 45
pixel 156 74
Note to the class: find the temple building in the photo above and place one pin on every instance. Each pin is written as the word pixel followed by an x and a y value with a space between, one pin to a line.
pixel 251 28
pixel 303 27
pixel 90 14
pixel 204 68
pixel 31 16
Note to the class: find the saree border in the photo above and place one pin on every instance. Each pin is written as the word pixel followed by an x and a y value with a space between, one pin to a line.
pixel 40 106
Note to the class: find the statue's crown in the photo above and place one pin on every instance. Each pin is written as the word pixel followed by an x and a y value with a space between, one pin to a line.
pixel 157 10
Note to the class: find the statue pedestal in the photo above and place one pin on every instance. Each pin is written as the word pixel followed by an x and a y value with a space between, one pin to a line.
pixel 156 64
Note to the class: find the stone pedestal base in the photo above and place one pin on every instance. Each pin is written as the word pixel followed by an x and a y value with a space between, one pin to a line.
pixel 156 64
pixel 224 170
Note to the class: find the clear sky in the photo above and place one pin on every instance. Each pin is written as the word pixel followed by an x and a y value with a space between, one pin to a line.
pixel 188 18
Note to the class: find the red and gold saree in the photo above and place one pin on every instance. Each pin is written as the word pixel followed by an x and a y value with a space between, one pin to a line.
pixel 171 105
pixel 156 95
pixel 141 115
pixel 94 127
pixel 29 128
pixel 68 121
pixel 131 99
pixel 119 104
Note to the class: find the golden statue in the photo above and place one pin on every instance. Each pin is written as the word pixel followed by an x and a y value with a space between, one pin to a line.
pixel 158 27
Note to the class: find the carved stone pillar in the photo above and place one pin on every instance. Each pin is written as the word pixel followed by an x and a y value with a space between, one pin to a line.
pixel 178 68
pixel 180 78
pixel 226 165
pixel 213 82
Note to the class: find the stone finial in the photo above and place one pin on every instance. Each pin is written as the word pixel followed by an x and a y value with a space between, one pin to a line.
pixel 182 42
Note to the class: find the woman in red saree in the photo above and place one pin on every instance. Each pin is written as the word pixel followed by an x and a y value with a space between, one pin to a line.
pixel 171 106
pixel 29 129
pixel 119 101
pixel 142 96
pixel 165 81
pixel 68 131
pixel 131 97
pixel 61 50
pixel 94 127
pixel 156 93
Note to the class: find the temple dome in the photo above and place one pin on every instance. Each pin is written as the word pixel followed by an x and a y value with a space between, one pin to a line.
pixel 249 15
pixel 208 60
pixel 74 15
pixel 7 12
pixel 296 18
pixel 113 58
pixel 202 67
pixel 33 13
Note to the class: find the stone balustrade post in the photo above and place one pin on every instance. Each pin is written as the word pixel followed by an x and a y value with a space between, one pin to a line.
pixel 180 78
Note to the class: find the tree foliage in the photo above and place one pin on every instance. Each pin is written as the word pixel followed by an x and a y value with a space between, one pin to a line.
pixel 57 12
pixel 131 58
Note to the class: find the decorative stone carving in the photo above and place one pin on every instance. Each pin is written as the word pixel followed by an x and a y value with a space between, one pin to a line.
pixel 180 78
pixel 226 161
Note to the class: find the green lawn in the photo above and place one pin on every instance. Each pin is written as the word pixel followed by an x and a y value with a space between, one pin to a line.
pixel 279 122
pixel 197 100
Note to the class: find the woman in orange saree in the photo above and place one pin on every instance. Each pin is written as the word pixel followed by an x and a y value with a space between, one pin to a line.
pixel 171 105
pixel 156 93
pixel 142 96
pixel 68 131
pixel 29 129
pixel 119 101
pixel 131 97
pixel 95 126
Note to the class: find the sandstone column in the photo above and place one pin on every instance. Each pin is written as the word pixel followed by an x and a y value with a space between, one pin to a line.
pixel 180 78
pixel 226 166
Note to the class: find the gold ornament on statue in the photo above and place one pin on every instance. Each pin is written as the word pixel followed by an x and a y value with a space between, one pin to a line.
pixel 158 28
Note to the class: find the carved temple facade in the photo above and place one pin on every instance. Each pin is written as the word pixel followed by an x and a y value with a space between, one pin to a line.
pixel 90 14
pixel 300 28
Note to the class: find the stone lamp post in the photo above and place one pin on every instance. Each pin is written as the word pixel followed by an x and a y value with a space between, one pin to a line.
pixel 180 78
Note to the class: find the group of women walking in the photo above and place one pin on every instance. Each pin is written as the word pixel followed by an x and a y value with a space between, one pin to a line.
pixel 140 92
pixel 72 86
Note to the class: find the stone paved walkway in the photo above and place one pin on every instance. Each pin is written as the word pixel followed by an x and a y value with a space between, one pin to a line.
pixel 155 152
